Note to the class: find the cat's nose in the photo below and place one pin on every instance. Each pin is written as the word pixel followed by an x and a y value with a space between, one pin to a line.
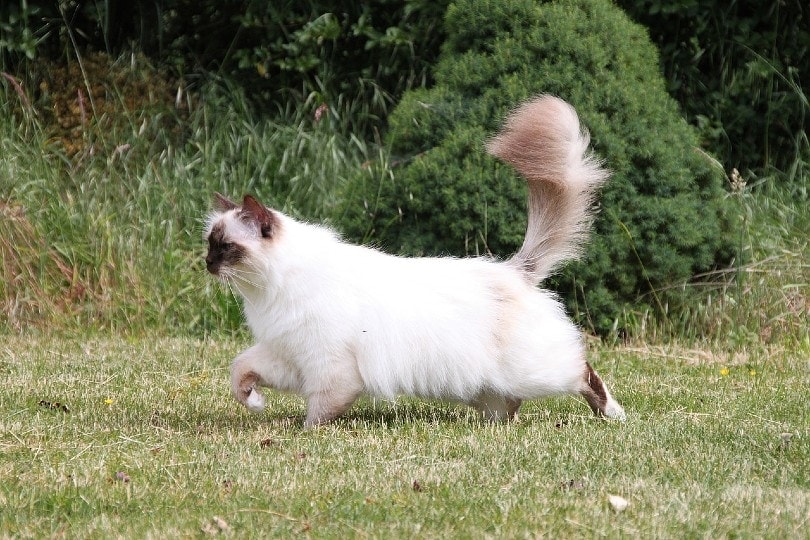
pixel 211 265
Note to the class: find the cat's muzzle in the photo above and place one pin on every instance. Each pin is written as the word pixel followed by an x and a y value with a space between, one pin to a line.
pixel 212 266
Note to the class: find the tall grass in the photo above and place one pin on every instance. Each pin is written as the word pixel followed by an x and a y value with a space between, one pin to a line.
pixel 763 297
pixel 120 221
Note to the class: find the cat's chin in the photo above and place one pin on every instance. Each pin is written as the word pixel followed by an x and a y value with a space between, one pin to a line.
pixel 255 401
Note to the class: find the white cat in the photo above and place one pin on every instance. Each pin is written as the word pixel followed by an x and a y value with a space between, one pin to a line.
pixel 333 320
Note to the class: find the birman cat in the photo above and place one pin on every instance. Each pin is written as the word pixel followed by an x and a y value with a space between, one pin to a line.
pixel 333 321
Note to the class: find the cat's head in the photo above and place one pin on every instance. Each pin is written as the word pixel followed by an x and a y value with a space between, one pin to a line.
pixel 235 232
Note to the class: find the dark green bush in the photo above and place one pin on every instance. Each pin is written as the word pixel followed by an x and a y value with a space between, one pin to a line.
pixel 439 193
pixel 735 68
pixel 355 57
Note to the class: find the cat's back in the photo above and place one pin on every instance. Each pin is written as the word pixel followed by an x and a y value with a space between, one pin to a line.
pixel 440 277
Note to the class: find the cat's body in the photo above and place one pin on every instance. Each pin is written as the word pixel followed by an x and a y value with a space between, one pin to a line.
pixel 333 320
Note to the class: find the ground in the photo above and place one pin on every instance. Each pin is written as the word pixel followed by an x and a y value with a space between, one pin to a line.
pixel 108 436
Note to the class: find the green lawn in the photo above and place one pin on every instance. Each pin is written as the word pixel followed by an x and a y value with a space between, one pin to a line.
pixel 112 437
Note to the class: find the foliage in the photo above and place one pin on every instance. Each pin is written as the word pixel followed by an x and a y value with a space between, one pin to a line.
pixel 107 163
pixel 661 213
pixel 308 53
pixel 18 33
pixel 736 68
pixel 333 47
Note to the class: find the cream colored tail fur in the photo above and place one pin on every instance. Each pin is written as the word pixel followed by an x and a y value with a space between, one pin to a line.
pixel 543 140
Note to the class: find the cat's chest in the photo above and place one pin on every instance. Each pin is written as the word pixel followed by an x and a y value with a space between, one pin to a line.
pixel 296 328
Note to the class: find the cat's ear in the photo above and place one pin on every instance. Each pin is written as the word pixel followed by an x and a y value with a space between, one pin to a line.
pixel 263 217
pixel 222 203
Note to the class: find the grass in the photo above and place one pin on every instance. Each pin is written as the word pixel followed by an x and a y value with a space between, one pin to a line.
pixel 112 437
pixel 762 297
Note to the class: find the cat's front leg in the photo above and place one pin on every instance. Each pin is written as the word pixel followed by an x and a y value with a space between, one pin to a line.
pixel 327 405
pixel 246 378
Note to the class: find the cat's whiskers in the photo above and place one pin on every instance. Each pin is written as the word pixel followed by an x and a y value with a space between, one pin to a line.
pixel 244 278
pixel 251 278
pixel 230 286
pixel 226 278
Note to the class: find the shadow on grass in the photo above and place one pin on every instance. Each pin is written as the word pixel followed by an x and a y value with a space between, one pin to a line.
pixel 286 414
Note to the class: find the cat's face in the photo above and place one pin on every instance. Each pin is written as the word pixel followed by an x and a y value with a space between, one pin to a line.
pixel 222 251
pixel 233 230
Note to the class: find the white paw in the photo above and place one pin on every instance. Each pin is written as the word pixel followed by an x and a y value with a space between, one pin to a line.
pixel 255 401
pixel 614 410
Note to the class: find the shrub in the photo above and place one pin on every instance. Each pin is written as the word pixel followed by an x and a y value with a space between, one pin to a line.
pixel 356 57
pixel 439 193
pixel 735 68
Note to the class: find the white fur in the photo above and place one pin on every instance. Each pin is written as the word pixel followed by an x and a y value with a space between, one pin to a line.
pixel 334 320
pixel 255 401
pixel 458 329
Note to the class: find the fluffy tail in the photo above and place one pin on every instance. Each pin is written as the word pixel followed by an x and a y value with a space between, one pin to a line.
pixel 543 140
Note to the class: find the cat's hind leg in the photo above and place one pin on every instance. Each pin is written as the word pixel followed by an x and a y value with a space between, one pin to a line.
pixel 596 394
pixel 496 408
